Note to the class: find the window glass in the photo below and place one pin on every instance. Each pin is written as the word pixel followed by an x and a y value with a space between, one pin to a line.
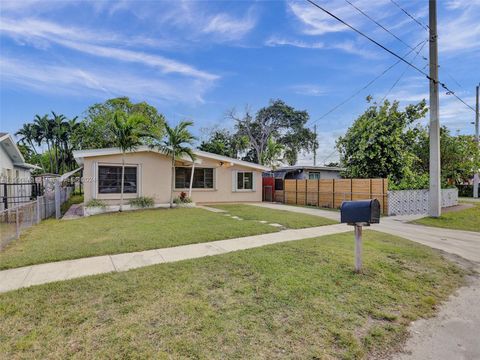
pixel 314 175
pixel 202 178
pixel 244 181
pixel 109 179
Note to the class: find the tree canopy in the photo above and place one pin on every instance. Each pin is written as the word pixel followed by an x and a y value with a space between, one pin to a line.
pixel 385 141
pixel 99 118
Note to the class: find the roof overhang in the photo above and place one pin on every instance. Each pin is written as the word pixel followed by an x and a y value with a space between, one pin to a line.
pixel 10 146
pixel 27 166
pixel 80 155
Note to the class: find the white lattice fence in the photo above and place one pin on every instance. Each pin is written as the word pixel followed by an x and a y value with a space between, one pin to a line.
pixel 411 202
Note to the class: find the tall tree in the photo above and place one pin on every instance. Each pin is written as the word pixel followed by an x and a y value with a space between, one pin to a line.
pixel 176 144
pixel 377 144
pixel 222 142
pixel 272 155
pixel 98 120
pixel 279 122
pixel 127 136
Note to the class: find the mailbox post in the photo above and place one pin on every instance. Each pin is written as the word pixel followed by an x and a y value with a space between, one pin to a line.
pixel 358 248
pixel 358 214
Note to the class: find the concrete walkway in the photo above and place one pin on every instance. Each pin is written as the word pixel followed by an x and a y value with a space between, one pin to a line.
pixel 463 243
pixel 74 212
pixel 69 269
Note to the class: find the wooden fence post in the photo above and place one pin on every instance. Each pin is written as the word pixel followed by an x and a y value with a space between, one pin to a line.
pixel 296 191
pixel 333 193
pixel 318 192
pixel 306 192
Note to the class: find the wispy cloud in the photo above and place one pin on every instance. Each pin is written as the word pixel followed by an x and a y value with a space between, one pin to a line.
pixel 278 41
pixel 229 27
pixel 72 80
pixel 309 89
pixel 347 46
pixel 462 31
pixel 41 33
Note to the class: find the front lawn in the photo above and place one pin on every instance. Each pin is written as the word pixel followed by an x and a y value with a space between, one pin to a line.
pixel 467 219
pixel 289 219
pixel 299 299
pixel 54 240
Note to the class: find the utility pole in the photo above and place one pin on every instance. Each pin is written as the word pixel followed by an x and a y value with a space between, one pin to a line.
pixel 315 145
pixel 476 176
pixel 435 198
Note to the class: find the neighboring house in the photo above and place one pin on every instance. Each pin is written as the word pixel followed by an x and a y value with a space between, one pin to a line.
pixel 148 173
pixel 15 173
pixel 307 172
pixel 13 167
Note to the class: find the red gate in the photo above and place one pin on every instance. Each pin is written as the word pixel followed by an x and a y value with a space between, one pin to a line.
pixel 268 189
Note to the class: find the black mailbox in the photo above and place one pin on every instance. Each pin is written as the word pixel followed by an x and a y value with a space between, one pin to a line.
pixel 363 212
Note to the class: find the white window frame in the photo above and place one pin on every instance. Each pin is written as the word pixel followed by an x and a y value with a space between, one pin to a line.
pixel 115 196
pixel 236 181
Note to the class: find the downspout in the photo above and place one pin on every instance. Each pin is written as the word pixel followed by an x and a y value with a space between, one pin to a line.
pixel 191 180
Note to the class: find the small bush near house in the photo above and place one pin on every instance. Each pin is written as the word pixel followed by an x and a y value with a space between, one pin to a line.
pixel 96 203
pixel 142 202
pixel 182 199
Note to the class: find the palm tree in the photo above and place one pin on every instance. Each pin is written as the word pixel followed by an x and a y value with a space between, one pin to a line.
pixel 176 144
pixel 44 134
pixel 272 154
pixel 127 136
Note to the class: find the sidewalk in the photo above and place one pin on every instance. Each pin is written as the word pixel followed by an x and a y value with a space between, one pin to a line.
pixel 463 243
pixel 69 269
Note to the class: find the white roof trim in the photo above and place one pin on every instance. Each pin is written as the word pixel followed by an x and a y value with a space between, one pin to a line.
pixel 15 148
pixel 79 155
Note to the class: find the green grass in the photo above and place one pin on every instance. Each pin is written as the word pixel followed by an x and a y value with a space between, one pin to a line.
pixel 54 240
pixel 298 299
pixel 74 199
pixel 467 219
pixel 288 219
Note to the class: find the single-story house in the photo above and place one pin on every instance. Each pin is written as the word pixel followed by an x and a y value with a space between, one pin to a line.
pixel 13 167
pixel 15 173
pixel 301 172
pixel 148 173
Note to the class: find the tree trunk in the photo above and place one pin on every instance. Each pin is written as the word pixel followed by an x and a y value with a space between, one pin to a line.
pixel 173 181
pixel 191 180
pixel 122 182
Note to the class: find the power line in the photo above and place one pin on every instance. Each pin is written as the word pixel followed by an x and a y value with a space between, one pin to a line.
pixel 380 25
pixel 403 73
pixel 449 92
pixel 366 85
pixel 410 16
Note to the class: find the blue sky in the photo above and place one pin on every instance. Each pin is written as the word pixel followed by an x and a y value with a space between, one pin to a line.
pixel 197 60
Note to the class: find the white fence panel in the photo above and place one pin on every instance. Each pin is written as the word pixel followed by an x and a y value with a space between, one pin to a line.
pixel 413 202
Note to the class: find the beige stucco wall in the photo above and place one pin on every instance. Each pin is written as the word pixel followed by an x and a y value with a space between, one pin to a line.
pixel 154 178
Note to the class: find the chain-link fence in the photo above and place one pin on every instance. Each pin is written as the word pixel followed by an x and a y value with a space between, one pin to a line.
pixel 14 220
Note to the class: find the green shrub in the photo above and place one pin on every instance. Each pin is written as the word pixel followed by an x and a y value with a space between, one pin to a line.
pixel 142 202
pixel 96 203
pixel 182 199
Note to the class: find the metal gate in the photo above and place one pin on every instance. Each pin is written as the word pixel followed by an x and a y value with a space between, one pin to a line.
pixel 268 189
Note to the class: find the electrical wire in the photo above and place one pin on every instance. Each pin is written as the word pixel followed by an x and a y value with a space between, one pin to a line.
pixel 343 102
pixel 402 74
pixel 410 16
pixel 443 85
pixel 380 25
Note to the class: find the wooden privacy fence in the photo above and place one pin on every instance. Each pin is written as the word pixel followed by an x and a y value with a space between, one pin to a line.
pixel 330 193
